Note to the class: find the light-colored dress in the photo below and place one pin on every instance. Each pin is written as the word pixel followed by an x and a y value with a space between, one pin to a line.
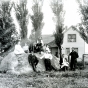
pixel 65 61
pixel 54 61
pixel 40 66
pixel 18 50
pixel 25 48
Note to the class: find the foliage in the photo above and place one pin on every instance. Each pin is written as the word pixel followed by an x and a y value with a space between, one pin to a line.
pixel 59 36
pixel 57 9
pixel 22 17
pixel 37 18
pixel 32 36
pixel 83 26
pixel 7 28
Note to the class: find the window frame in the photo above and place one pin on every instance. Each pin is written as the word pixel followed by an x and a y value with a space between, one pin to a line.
pixel 70 37
pixel 66 50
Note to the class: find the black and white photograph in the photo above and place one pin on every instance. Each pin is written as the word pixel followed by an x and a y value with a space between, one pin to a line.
pixel 43 44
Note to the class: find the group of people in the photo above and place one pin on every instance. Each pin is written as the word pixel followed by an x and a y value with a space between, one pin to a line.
pixel 70 60
pixel 40 47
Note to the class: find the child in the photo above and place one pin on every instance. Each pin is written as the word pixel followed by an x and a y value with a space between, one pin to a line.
pixel 65 63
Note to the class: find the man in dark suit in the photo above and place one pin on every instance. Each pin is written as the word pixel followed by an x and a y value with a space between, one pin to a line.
pixel 33 61
pixel 74 55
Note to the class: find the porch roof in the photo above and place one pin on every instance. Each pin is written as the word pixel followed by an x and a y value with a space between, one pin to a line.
pixel 52 44
pixel 49 39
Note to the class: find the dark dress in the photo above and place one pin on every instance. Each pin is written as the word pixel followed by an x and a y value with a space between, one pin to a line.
pixel 33 61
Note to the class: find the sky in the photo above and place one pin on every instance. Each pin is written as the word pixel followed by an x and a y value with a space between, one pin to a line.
pixel 71 17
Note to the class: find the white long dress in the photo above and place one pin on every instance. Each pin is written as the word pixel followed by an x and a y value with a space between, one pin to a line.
pixel 40 66
pixel 54 61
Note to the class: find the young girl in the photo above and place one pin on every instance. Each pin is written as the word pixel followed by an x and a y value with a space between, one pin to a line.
pixel 65 63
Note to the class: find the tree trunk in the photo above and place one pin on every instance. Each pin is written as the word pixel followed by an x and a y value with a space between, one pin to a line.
pixel 61 59
pixel 37 34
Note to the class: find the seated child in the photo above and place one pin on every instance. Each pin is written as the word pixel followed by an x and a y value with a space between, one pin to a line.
pixel 65 64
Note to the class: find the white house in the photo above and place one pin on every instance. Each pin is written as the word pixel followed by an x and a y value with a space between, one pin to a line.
pixel 72 38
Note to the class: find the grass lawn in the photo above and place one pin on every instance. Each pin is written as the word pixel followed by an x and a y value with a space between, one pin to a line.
pixel 59 79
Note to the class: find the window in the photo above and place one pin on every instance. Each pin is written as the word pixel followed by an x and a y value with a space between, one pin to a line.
pixel 67 51
pixel 71 37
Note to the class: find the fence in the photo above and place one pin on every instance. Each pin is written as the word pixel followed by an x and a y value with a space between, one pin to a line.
pixel 85 59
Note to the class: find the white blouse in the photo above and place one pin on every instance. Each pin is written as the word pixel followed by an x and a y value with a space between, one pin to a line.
pixel 47 56
pixel 25 48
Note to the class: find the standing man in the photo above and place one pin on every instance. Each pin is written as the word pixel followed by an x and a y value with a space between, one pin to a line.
pixel 74 55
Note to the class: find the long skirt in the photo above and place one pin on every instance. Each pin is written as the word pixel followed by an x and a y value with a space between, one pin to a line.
pixel 40 66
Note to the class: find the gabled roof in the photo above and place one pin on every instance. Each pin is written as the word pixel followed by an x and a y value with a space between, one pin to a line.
pixel 49 39
pixel 72 27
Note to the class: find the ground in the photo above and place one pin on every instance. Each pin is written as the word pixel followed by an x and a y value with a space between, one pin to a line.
pixel 53 79
pixel 58 79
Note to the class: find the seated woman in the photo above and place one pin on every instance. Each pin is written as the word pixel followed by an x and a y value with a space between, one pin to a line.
pixel 18 49
pixel 47 60
pixel 16 62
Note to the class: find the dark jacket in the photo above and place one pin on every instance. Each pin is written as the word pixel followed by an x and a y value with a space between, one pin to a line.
pixel 74 55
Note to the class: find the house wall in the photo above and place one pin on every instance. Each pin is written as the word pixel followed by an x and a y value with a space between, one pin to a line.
pixel 54 50
pixel 80 44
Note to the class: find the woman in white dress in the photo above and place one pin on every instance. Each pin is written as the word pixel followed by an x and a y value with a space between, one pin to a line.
pixel 40 66
pixel 23 65
pixel 18 49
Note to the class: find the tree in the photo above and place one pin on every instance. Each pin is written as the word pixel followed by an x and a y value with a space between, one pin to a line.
pixel 22 17
pixel 37 18
pixel 7 28
pixel 83 26
pixel 32 36
pixel 57 9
